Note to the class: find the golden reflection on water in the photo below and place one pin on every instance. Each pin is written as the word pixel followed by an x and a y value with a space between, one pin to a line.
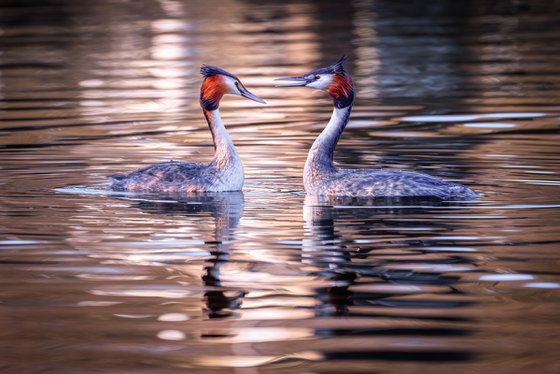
pixel 271 279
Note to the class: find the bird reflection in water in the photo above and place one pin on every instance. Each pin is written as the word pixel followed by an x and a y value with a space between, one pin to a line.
pixel 329 255
pixel 226 209
pixel 363 283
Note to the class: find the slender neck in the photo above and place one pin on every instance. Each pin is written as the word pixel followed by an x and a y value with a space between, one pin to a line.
pixel 224 150
pixel 321 153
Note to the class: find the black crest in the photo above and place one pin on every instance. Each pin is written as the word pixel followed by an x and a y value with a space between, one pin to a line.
pixel 336 68
pixel 209 71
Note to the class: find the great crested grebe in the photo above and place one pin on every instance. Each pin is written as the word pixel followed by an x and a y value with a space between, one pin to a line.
pixel 321 177
pixel 223 173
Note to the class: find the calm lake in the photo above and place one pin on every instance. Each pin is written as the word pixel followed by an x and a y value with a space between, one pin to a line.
pixel 271 280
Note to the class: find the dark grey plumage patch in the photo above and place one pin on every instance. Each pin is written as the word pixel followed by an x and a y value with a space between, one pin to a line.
pixel 117 177
pixel 209 71
pixel 209 104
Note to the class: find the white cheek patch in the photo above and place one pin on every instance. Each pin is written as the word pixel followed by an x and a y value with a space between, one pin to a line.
pixel 232 88
pixel 322 83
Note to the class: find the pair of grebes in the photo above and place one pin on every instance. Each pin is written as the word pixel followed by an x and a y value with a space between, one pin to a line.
pixel 320 175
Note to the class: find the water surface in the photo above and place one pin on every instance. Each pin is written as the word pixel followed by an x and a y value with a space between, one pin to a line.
pixel 268 279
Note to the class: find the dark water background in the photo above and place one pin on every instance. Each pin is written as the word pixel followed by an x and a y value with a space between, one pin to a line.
pixel 269 280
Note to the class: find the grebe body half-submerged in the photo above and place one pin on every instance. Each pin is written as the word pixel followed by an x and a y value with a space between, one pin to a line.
pixel 223 173
pixel 322 177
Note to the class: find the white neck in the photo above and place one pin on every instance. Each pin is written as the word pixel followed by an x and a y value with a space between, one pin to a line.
pixel 225 153
pixel 321 153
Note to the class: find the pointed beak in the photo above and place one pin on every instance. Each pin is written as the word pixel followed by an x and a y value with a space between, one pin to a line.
pixel 296 81
pixel 245 93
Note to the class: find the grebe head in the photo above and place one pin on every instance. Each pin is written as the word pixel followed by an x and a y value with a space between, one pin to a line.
pixel 333 79
pixel 218 82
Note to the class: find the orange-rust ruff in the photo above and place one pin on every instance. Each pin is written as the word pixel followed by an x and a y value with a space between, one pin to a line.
pixel 340 87
pixel 223 173
pixel 212 90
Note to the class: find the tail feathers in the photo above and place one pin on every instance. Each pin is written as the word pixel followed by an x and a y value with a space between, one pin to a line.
pixel 118 182
pixel 117 177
